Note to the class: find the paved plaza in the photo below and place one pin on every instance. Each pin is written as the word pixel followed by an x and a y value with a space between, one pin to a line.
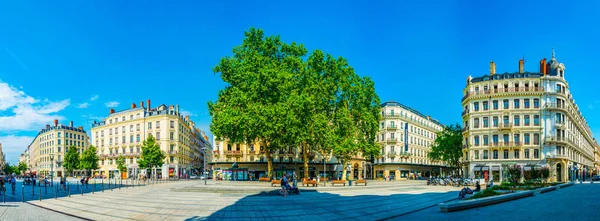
pixel 400 200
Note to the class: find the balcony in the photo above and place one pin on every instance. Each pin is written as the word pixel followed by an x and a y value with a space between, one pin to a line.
pixel 506 144
pixel 464 129
pixel 506 126
pixel 404 154
pixel 392 127
pixel 465 112
pixel 556 106
pixel 559 125
pixel 556 156
pixel 172 152
pixel 233 152
pixel 464 146
pixel 391 116
pixel 391 154
pixel 391 140
pixel 556 139
pixel 502 91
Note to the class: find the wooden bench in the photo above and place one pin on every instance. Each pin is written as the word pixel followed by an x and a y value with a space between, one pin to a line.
pixel 265 179
pixel 338 182
pixel 361 181
pixel 276 182
pixel 306 181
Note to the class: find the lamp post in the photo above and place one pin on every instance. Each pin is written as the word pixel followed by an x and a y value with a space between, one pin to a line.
pixel 204 166
pixel 52 169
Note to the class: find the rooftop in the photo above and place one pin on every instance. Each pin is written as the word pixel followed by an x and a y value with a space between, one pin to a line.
pixel 397 104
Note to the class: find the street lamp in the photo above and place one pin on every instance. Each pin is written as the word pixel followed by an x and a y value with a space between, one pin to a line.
pixel 204 166
pixel 52 169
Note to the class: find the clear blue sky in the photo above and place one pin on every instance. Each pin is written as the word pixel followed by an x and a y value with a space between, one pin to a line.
pixel 55 56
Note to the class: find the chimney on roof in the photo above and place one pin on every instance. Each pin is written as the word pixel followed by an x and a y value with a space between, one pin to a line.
pixel 177 108
pixel 543 66
pixel 55 122
pixel 112 111
pixel 492 68
pixel 521 66
pixel 171 107
pixel 71 124
pixel 141 104
pixel 148 104
pixel 80 128
pixel 47 127
pixel 133 105
pixel 187 118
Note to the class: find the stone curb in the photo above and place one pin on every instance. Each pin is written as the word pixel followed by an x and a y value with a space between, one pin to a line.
pixel 547 189
pixel 469 204
pixel 565 185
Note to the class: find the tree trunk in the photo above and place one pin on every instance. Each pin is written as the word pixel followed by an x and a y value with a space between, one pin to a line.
pixel 269 160
pixel 344 166
pixel 305 159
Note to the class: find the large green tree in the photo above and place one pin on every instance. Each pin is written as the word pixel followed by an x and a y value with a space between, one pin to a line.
pixel 152 156
pixel 254 105
pixel 71 160
pixel 89 160
pixel 447 146
pixel 22 167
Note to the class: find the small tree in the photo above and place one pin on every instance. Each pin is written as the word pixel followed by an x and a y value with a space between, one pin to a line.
pixel 152 156
pixel 89 160
pixel 544 173
pixel 22 167
pixel 121 165
pixel 447 146
pixel 514 174
pixel 71 160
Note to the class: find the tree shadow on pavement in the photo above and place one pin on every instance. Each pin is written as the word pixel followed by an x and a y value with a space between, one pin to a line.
pixel 311 204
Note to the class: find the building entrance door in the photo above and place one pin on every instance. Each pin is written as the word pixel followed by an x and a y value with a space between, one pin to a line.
pixel 558 172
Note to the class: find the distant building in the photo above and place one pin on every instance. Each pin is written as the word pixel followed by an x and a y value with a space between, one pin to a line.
pixel 2 162
pixel 406 136
pixel 122 133
pixel 47 150
pixel 525 118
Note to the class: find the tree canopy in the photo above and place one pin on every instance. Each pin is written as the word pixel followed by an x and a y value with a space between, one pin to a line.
pixel 151 156
pixel 22 167
pixel 71 160
pixel 447 146
pixel 278 96
pixel 121 164
pixel 89 159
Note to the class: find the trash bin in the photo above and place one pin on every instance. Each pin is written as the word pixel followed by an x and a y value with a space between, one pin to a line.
pixel 349 182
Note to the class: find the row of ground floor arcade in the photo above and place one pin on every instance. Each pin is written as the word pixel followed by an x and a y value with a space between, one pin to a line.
pixel 355 169
pixel 561 170
pixel 133 172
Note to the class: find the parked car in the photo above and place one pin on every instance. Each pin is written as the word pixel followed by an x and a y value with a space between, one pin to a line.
pixel 596 178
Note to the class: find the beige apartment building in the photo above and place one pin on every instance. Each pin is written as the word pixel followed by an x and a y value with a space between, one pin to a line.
pixel 122 133
pixel 406 136
pixel 525 118
pixel 47 150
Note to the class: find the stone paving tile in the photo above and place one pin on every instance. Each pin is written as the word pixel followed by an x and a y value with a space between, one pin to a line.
pixel 578 202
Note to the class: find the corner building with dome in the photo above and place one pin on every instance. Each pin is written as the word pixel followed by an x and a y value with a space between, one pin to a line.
pixel 525 118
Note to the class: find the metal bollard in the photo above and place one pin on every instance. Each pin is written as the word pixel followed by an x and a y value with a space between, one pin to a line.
pixel 40 194
pixel 81 191
pixel 126 183
pixel 103 185
pixel 56 191
pixel 93 186
pixel 46 188
pixel 111 189
pixel 120 183
pixel 69 189
pixel 23 193
pixel 33 190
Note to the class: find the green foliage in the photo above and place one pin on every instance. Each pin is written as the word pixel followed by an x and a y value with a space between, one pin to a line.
pixel 544 173
pixel 514 173
pixel 10 169
pixel 447 146
pixel 89 159
pixel 71 160
pixel 152 156
pixel 22 167
pixel 121 164
pixel 485 193
pixel 273 96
